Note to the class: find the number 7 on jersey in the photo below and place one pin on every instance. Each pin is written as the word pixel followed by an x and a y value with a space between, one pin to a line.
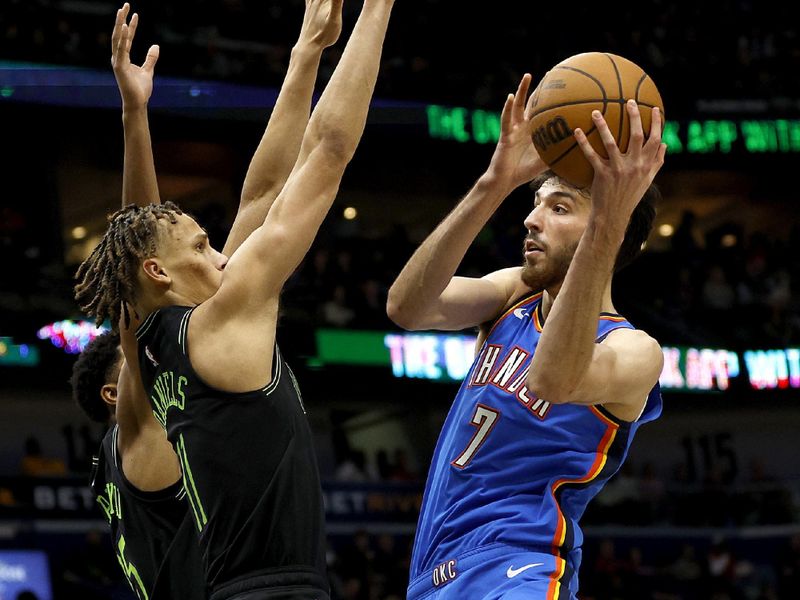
pixel 484 419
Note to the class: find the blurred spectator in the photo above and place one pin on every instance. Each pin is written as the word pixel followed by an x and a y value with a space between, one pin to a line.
pixel 714 494
pixel 607 572
pixel 717 292
pixel 93 573
pixel 356 565
pixel 335 310
pixel 687 568
pixel 33 464
pixel 618 501
pixel 636 575
pixel 352 468
pixel 390 576
pixel 652 492
pixel 370 305
pixel 401 470
pixel 722 570
pixel 683 241
pixel 384 468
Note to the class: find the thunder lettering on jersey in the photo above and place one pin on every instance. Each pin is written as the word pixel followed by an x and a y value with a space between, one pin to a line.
pixel 511 468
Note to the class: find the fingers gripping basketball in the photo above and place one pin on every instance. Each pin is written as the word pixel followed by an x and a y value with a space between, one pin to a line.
pixel 566 97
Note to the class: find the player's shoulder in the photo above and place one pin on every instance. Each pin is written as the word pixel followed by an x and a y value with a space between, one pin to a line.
pixel 509 281
pixel 636 345
pixel 630 335
pixel 158 319
pixel 509 277
pixel 515 293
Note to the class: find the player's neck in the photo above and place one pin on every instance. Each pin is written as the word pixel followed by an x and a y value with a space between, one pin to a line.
pixel 550 295
pixel 150 303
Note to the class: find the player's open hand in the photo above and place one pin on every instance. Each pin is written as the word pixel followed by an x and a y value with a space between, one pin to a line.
pixel 322 22
pixel 135 82
pixel 515 160
pixel 621 180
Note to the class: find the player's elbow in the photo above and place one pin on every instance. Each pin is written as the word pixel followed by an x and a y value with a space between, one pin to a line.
pixel 262 194
pixel 552 389
pixel 333 142
pixel 403 312
pixel 399 314
pixel 337 148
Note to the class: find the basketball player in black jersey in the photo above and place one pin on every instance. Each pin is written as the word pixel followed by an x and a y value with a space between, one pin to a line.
pixel 152 531
pixel 139 441
pixel 207 350
pixel 136 477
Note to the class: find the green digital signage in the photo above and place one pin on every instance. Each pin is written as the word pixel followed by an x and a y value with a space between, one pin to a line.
pixel 699 136
pixel 448 357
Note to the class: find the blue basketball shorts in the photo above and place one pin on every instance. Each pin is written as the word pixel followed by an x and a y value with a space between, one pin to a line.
pixel 497 572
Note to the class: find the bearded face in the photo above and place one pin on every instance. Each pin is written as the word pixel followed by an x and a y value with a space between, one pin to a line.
pixel 555 226
pixel 542 268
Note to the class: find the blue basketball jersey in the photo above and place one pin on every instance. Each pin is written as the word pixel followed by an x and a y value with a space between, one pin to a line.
pixel 513 469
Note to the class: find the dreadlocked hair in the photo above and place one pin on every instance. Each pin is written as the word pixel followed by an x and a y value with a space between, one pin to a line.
pixel 107 279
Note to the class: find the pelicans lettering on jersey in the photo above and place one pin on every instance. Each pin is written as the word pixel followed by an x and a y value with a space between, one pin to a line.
pixel 515 470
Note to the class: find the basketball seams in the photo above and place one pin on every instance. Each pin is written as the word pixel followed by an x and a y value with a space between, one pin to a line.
pixel 590 76
pixel 565 105
pixel 572 147
pixel 590 101
pixel 639 87
pixel 604 100
pixel 575 103
pixel 623 113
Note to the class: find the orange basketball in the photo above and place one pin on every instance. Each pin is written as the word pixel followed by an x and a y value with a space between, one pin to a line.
pixel 566 97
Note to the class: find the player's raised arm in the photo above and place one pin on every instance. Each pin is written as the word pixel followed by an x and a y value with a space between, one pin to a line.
pixel 426 295
pixel 277 152
pixel 139 185
pixel 264 262
pixel 148 459
pixel 569 366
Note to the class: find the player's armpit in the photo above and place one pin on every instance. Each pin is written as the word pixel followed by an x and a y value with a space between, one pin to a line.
pixel 467 302
pixel 624 368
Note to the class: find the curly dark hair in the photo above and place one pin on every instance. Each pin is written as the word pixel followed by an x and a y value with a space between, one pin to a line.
pixel 94 368
pixel 107 279
pixel 639 226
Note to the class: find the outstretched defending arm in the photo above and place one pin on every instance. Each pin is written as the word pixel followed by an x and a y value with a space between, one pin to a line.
pixel 426 295
pixel 259 269
pixel 148 459
pixel 277 152
pixel 139 185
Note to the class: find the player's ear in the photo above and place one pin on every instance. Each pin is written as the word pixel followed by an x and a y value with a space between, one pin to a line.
pixel 109 394
pixel 154 271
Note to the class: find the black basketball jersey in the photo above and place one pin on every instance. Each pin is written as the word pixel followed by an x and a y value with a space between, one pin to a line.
pixel 157 552
pixel 249 467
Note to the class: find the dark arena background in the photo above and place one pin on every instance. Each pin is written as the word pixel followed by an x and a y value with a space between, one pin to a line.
pixel 707 505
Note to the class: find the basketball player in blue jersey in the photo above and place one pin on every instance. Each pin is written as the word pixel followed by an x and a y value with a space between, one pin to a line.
pixel 560 381
pixel 208 357
pixel 137 477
